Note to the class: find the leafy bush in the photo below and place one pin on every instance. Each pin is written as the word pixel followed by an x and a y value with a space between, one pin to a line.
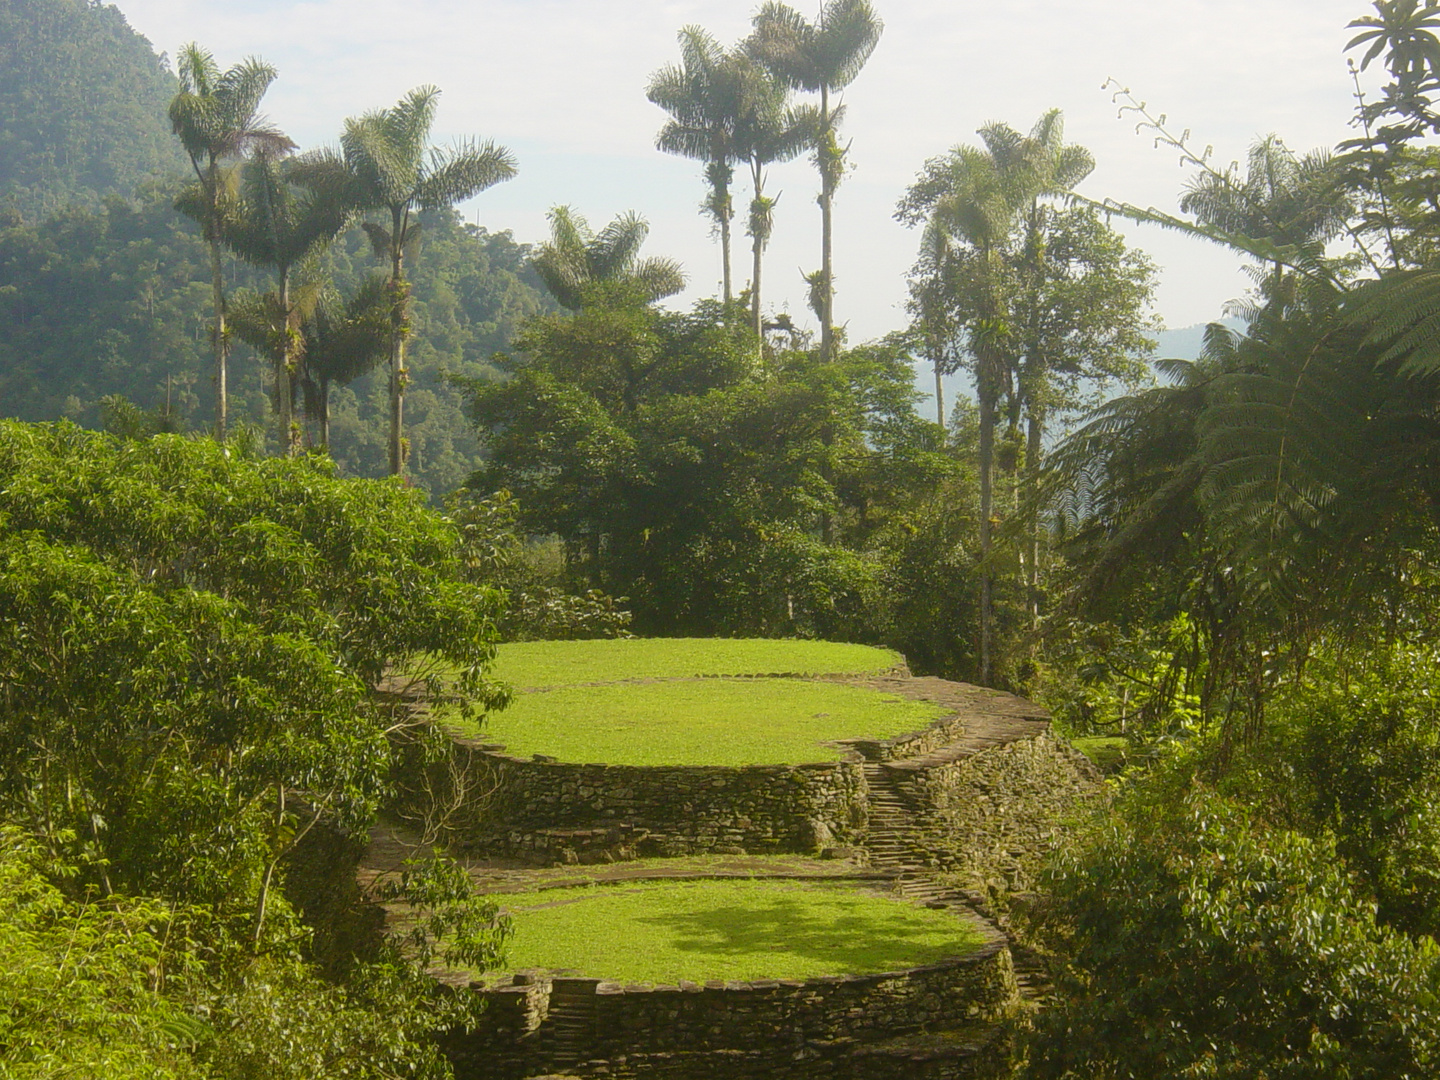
pixel 1198 941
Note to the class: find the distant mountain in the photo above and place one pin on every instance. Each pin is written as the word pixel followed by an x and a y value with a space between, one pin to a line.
pixel 1186 342
pixel 82 106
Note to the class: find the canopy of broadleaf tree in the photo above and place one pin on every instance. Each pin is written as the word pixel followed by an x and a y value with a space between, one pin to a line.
pixel 188 643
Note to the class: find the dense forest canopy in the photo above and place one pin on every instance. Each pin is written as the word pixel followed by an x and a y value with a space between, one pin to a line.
pixel 83 98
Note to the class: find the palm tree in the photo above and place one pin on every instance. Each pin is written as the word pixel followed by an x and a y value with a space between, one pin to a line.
pixel 1288 200
pixel 277 223
pixel 343 341
pixel 820 57
pixel 971 198
pixel 704 96
pixel 931 309
pixel 395 171
pixel 767 131
pixel 576 261
pixel 215 114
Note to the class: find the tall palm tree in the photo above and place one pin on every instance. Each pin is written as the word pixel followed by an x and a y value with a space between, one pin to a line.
pixel 767 131
pixel 931 309
pixel 278 223
pixel 971 198
pixel 1287 200
pixel 343 341
pixel 394 170
pixel 820 57
pixel 704 96
pixel 216 116
pixel 576 260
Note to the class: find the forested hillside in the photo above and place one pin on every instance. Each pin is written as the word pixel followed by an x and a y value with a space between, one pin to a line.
pixel 82 106
pixel 105 287
pixel 112 301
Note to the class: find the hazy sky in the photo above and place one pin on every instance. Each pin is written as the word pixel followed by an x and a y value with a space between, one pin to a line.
pixel 561 82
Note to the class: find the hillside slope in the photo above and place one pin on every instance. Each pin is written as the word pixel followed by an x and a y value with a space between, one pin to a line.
pixel 82 106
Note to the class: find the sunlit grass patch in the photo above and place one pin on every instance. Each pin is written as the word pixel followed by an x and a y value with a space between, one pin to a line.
pixel 705 722
pixel 662 932
pixel 562 663
pixel 1108 752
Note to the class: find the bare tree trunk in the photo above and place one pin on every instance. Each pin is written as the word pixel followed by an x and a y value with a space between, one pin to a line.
pixel 755 290
pixel 827 195
pixel 325 415
pixel 262 901
pixel 284 389
pixel 398 375
pixel 1034 437
pixel 939 395
pixel 725 256
pixel 221 339
pixel 987 585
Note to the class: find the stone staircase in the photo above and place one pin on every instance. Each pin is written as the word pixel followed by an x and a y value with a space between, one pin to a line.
pixel 891 844
pixel 571 1022
pixel 896 847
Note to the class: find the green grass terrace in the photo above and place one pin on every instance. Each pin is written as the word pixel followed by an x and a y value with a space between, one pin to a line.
pixel 672 702
pixel 661 932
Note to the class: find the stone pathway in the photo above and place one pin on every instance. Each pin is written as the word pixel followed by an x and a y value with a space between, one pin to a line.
pixel 895 844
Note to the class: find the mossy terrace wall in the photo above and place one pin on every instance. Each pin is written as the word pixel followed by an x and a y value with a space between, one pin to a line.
pixel 829 1027
pixel 1001 812
pixel 989 784
pixel 548 811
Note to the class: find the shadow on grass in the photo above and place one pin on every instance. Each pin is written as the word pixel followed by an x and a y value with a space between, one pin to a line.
pixel 874 940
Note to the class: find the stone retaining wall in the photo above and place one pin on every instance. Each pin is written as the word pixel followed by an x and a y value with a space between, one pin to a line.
pixel 834 1027
pixel 1000 813
pixel 552 811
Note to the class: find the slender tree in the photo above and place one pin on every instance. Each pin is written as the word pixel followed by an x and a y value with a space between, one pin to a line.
pixel 343 341
pixel 216 116
pixel 820 57
pixel 973 199
pixel 576 259
pixel 277 224
pixel 930 308
pixel 394 171
pixel 767 131
pixel 704 96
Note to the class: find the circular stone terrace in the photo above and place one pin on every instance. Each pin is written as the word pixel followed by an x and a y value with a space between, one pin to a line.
pixel 671 746
pixel 697 781
pixel 700 702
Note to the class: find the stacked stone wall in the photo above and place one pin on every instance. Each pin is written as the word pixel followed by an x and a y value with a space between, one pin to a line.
pixel 550 811
pixel 830 1027
pixel 1000 813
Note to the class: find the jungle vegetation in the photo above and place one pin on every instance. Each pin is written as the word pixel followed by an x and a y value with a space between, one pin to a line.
pixel 1231 566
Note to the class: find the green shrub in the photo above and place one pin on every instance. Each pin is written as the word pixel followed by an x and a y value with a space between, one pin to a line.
pixel 1197 941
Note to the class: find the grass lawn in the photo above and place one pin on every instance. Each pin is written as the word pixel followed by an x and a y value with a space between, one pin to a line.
pixel 562 663
pixel 662 932
pixel 705 722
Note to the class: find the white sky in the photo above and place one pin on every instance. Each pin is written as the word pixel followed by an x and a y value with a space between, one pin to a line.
pixel 561 82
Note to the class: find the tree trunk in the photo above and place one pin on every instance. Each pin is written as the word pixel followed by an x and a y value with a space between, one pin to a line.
pixel 757 246
pixel 284 390
pixel 217 285
pixel 939 394
pixel 726 285
pixel 1034 438
pixel 325 414
pixel 827 194
pixel 987 470
pixel 398 375
pixel 262 901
